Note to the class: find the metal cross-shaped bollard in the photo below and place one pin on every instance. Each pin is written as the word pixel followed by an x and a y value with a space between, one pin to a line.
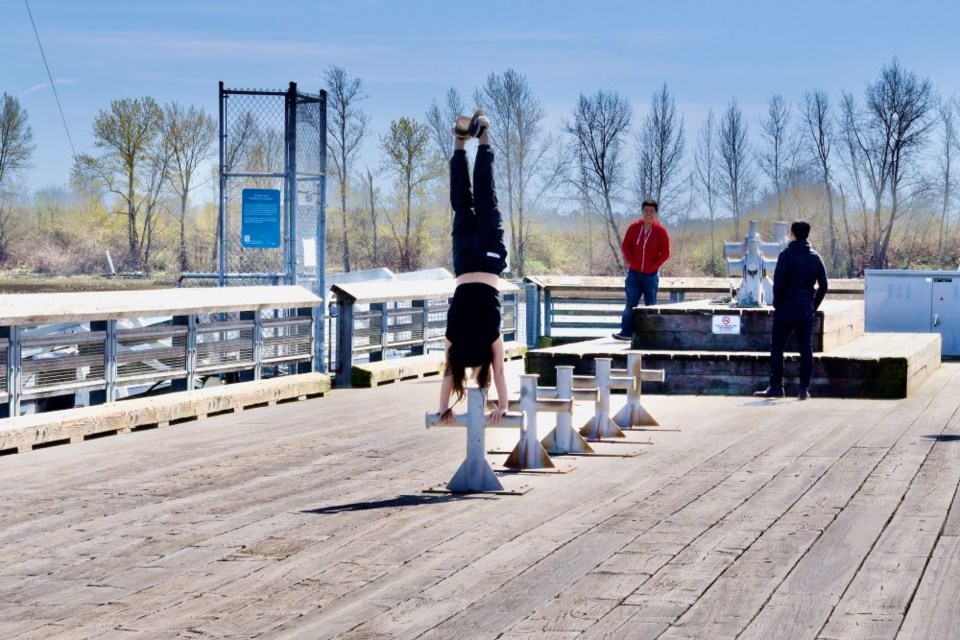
pixel 564 439
pixel 529 454
pixel 755 261
pixel 601 425
pixel 633 414
pixel 475 474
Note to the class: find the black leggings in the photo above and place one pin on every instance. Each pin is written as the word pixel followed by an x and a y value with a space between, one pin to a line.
pixel 477 223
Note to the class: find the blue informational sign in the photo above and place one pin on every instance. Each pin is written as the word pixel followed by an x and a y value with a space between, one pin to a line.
pixel 260 219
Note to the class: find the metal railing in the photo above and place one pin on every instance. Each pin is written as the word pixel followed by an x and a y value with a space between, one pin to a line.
pixel 406 324
pixel 585 306
pixel 82 361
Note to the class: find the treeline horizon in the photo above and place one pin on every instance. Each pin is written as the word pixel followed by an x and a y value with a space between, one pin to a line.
pixel 873 173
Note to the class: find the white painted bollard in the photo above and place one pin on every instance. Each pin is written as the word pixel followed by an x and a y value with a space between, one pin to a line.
pixel 601 425
pixel 633 414
pixel 564 438
pixel 475 474
pixel 529 452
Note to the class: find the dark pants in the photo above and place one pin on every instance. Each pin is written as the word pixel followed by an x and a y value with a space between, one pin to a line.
pixel 783 326
pixel 477 223
pixel 638 285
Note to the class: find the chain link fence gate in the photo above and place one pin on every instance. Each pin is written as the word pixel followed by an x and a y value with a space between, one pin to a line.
pixel 274 141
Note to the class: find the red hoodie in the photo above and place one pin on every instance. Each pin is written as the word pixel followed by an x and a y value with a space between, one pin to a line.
pixel 645 251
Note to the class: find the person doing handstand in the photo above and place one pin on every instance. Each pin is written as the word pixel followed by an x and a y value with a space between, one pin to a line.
pixel 479 257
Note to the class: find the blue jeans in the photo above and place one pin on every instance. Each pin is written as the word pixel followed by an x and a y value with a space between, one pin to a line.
pixel 638 285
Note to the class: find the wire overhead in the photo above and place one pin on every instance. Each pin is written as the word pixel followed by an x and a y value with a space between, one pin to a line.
pixel 56 94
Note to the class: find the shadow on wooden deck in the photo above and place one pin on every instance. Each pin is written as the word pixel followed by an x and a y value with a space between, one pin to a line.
pixel 399 501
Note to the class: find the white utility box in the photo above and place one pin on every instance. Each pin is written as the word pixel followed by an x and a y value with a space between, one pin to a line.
pixel 914 302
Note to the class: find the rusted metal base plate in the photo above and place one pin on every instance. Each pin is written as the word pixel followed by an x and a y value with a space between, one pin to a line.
pixel 515 491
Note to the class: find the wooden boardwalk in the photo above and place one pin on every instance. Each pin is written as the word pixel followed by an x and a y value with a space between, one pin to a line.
pixel 824 519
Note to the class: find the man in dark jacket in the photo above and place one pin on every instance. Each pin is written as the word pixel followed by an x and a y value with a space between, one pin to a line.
pixel 795 302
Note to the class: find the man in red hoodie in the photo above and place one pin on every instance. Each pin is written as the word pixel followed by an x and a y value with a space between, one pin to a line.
pixel 645 247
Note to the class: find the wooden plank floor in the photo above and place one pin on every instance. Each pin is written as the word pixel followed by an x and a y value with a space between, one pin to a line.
pixel 823 519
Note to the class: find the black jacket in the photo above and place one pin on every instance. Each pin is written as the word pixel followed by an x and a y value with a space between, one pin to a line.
pixel 798 268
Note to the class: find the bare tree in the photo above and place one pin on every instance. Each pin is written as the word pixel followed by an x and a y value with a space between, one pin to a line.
pixel 406 154
pixel 779 157
pixel 706 171
pixel 125 134
pixel 600 126
pixel 440 121
pixel 516 114
pixel 660 145
pixel 819 142
pixel 949 141
pixel 189 133
pixel 888 132
pixel 156 183
pixel 347 125
pixel 16 147
pixel 16 138
pixel 736 176
pixel 371 195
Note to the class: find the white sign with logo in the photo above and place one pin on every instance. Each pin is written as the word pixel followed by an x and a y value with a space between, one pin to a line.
pixel 726 325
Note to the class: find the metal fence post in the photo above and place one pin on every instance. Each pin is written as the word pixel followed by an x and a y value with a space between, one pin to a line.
pixel 257 340
pixel 533 313
pixel 306 312
pixel 189 353
pixel 14 376
pixel 320 327
pixel 222 208
pixel 290 188
pixel 423 305
pixel 382 307
pixel 514 300
pixel 109 391
pixel 547 312
pixel 345 328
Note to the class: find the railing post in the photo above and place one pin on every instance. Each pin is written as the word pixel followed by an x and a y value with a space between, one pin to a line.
pixel 547 312
pixel 533 313
pixel 345 328
pixel 305 312
pixel 515 297
pixel 11 407
pixel 318 333
pixel 109 391
pixel 189 353
pixel 257 340
pixel 420 349
pixel 384 320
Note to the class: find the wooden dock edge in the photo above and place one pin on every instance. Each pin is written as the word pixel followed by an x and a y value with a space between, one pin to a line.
pixel 24 433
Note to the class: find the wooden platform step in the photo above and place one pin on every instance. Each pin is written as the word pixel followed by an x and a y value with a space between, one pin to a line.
pixel 373 374
pixel 28 432
pixel 875 365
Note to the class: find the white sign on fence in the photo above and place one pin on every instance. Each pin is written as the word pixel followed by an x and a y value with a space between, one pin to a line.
pixel 726 325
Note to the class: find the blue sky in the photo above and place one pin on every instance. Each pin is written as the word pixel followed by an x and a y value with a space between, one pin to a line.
pixel 410 51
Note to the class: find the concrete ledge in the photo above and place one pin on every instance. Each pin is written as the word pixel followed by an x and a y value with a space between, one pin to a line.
pixel 373 374
pixel 687 326
pixel 875 365
pixel 24 433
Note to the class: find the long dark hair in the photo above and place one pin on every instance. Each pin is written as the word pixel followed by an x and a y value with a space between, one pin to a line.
pixel 456 368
